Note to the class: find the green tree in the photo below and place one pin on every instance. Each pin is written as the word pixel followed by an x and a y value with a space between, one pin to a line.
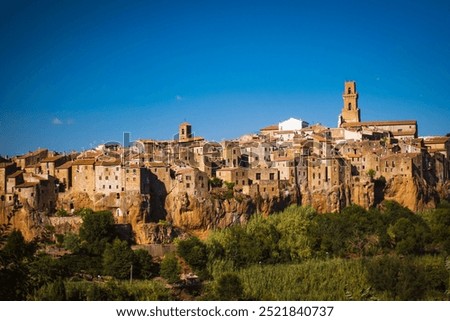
pixel 229 287
pixel 72 242
pixel 402 279
pixel 439 222
pixel 407 236
pixel 15 258
pixel 16 247
pixel 55 291
pixel 170 268
pixel 215 182
pixel 117 259
pixel 371 173
pixel 44 270
pixel 96 231
pixel 143 266
pixel 194 252
pixel 292 226
pixel 265 239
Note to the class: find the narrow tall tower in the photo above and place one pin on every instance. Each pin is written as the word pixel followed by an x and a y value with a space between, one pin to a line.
pixel 350 111
pixel 185 132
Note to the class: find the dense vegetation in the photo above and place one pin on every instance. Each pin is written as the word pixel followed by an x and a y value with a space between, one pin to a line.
pixel 387 253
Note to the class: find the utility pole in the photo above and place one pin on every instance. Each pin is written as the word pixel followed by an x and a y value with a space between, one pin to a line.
pixel 131 273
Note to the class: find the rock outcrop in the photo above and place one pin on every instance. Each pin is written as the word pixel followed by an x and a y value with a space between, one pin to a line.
pixel 158 220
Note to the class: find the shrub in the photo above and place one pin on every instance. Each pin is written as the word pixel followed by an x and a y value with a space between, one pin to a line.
pixel 229 287
pixel 170 268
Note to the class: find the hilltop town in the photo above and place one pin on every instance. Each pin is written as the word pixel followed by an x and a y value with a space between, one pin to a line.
pixel 188 183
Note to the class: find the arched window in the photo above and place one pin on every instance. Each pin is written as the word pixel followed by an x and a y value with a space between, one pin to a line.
pixel 349 106
pixel 349 91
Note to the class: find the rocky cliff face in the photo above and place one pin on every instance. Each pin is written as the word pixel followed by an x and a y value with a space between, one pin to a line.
pixel 158 220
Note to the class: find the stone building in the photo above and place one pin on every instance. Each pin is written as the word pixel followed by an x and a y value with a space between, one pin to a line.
pixel 236 175
pixel 83 175
pixel 31 158
pixel 6 168
pixel 190 180
pixel 350 118
pixel 49 164
pixel 137 179
pixel 108 176
pixel 437 144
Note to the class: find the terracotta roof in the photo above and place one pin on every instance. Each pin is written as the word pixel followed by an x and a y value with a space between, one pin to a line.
pixel 52 159
pixel 115 162
pixel 381 123
pixel 33 153
pixel 283 159
pixel 89 161
pixel 66 165
pixel 157 164
pixel 6 164
pixel 27 185
pixel 270 128
pixel 436 140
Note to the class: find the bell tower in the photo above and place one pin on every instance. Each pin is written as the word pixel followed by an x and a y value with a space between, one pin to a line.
pixel 350 111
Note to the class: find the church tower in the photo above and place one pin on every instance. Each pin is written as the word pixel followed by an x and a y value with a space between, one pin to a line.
pixel 350 111
pixel 184 132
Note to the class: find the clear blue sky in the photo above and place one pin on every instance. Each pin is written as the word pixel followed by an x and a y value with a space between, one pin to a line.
pixel 74 74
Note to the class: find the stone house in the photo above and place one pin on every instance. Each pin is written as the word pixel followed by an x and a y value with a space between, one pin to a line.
pixel 31 158
pixel 108 176
pixel 83 175
pixel 236 175
pixel 63 175
pixel 49 164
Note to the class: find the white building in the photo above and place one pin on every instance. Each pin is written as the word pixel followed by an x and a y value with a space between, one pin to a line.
pixel 292 124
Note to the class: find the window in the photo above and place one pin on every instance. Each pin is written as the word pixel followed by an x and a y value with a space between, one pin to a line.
pixel 103 186
pixel 188 177
pixel 109 186
pixel 117 177
pixel 271 176
pixel 188 185
pixel 100 178
pixel 258 176
pixel 349 90
pixel 243 182
pixel 106 177
pixel 349 106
